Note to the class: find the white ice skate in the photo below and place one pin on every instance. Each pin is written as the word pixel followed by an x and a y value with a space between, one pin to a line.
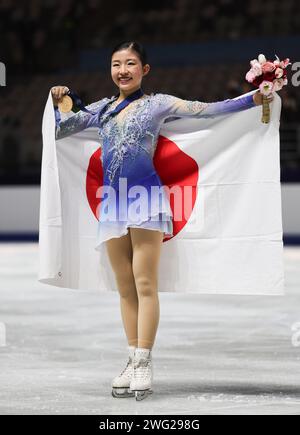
pixel 121 383
pixel 141 382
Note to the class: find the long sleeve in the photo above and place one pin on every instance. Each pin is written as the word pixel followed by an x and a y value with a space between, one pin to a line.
pixel 78 122
pixel 174 106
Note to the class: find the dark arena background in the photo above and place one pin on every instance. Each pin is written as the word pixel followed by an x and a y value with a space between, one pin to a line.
pixel 60 349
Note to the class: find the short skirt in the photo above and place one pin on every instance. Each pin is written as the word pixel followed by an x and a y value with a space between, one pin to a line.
pixel 111 230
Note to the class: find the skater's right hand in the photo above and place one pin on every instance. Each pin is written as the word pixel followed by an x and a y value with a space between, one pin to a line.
pixel 58 92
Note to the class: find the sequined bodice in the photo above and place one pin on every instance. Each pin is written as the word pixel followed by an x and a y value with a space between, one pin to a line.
pixel 131 134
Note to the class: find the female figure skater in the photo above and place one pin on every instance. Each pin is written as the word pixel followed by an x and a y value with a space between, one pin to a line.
pixel 129 125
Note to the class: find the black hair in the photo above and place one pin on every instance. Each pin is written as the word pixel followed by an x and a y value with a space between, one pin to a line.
pixel 133 45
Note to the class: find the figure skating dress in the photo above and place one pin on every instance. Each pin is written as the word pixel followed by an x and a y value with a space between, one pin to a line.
pixel 128 142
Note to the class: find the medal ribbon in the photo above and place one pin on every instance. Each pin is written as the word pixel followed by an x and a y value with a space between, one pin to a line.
pixel 78 102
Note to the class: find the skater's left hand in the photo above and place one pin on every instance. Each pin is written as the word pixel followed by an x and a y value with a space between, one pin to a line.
pixel 258 98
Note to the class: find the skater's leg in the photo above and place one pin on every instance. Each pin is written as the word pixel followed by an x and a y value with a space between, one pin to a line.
pixel 146 245
pixel 120 253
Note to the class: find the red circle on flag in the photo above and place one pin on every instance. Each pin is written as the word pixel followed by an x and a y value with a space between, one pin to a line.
pixel 174 167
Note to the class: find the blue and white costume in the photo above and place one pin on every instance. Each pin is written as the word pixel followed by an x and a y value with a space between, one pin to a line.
pixel 128 142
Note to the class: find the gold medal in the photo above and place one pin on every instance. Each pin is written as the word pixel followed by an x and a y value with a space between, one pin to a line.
pixel 65 104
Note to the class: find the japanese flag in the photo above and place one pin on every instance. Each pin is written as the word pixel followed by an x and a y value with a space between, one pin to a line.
pixel 229 243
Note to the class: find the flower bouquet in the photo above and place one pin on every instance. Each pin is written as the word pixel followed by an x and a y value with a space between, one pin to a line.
pixel 268 77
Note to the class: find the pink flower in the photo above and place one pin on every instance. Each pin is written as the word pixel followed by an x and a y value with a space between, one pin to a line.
pixel 285 81
pixel 268 67
pixel 256 68
pixel 266 87
pixel 285 63
pixel 250 76
pixel 278 73
pixel 278 84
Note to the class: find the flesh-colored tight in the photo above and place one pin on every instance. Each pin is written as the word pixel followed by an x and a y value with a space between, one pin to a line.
pixel 135 259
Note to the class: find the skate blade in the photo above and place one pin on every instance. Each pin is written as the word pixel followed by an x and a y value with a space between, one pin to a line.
pixel 122 393
pixel 142 394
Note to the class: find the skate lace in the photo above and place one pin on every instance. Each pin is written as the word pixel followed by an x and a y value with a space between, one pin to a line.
pixel 128 367
pixel 141 368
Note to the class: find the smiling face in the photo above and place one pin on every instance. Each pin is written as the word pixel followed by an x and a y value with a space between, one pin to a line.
pixel 127 71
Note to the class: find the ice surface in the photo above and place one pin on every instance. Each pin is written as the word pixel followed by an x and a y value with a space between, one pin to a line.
pixel 213 354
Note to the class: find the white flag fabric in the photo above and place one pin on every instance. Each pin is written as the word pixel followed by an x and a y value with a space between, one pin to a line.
pixel 230 244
